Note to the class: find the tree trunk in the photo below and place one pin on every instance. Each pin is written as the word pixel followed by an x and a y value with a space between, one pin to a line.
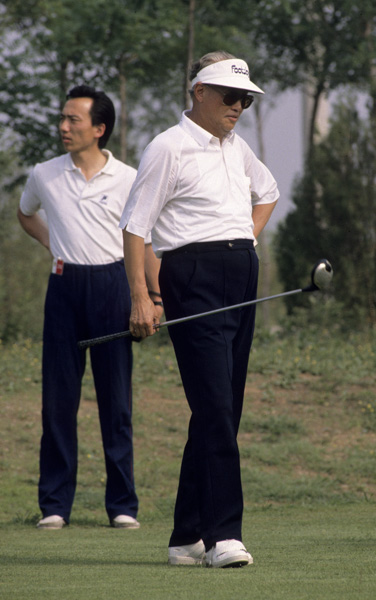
pixel 123 111
pixel 262 239
pixel 63 83
pixel 372 116
pixel 191 44
pixel 315 117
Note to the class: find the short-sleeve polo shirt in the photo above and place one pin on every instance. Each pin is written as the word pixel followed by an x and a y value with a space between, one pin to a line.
pixel 83 216
pixel 190 187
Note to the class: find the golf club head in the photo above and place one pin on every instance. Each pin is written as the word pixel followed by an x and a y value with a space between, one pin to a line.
pixel 321 276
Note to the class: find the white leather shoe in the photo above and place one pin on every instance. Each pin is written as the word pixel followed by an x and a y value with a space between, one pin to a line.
pixel 228 553
pixel 125 522
pixel 191 554
pixel 52 522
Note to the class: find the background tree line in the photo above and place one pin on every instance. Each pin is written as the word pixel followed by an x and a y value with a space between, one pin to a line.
pixel 139 51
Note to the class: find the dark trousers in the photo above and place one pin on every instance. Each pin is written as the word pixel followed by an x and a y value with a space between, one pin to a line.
pixel 86 302
pixel 212 354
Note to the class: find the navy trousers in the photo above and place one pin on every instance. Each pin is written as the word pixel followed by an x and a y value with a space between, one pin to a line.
pixel 86 302
pixel 212 354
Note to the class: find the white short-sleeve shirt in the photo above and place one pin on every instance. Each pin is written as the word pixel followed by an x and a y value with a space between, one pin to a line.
pixel 192 188
pixel 83 216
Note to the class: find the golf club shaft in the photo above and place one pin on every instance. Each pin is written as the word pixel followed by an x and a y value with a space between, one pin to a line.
pixel 121 334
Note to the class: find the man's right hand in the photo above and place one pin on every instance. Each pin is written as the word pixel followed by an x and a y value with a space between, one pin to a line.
pixel 143 318
pixel 144 313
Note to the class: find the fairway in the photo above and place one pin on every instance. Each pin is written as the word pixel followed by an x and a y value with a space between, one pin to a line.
pixel 300 553
pixel 307 443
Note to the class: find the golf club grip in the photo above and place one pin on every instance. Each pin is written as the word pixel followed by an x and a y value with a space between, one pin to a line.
pixel 113 336
pixel 105 338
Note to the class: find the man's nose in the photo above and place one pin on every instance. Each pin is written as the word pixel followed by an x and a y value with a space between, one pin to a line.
pixel 64 124
pixel 237 105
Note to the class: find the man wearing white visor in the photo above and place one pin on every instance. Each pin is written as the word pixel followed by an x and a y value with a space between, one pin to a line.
pixel 204 197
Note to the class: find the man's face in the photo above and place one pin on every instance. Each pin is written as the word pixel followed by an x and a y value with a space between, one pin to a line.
pixel 76 129
pixel 218 118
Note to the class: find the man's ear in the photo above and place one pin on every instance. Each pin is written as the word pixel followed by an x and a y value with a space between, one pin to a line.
pixel 198 92
pixel 100 129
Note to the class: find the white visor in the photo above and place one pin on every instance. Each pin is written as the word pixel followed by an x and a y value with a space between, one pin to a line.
pixel 232 72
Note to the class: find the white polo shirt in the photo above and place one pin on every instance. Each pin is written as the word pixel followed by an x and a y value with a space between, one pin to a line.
pixel 83 216
pixel 191 188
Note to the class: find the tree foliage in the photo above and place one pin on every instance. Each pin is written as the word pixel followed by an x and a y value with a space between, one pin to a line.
pixel 63 43
pixel 335 216
pixel 136 50
pixel 24 264
pixel 318 44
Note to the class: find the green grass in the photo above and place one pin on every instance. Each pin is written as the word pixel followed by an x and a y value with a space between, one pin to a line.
pixel 300 553
pixel 307 443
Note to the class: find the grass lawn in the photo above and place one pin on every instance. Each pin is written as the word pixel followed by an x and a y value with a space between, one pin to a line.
pixel 299 552
pixel 307 444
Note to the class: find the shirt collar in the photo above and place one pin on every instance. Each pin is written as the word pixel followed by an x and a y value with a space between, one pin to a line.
pixel 69 164
pixel 109 168
pixel 202 137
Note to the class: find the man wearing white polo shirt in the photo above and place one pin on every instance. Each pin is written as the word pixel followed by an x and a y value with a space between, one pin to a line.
pixel 83 193
pixel 204 197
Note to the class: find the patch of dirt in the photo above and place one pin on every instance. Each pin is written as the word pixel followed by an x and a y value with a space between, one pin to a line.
pixel 326 421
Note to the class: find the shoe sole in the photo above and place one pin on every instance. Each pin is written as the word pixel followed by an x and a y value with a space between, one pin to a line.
pixel 54 527
pixel 230 563
pixel 125 526
pixel 184 560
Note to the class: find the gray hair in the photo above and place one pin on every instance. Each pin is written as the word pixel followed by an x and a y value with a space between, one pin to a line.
pixel 208 59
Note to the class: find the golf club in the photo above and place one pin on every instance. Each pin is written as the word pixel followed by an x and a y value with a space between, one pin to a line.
pixel 321 277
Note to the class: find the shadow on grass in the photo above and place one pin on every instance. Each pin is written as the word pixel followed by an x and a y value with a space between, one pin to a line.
pixel 32 521
pixel 75 561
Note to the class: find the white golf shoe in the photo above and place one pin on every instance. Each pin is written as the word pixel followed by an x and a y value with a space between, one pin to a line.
pixel 228 553
pixel 52 522
pixel 125 522
pixel 192 554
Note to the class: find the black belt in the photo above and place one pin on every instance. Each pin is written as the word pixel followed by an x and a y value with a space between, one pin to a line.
pixel 240 244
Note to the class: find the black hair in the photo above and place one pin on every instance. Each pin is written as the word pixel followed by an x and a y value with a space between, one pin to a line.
pixel 102 109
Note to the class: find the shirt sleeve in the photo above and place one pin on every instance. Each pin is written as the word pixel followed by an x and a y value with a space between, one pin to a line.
pixel 151 189
pixel 30 201
pixel 264 188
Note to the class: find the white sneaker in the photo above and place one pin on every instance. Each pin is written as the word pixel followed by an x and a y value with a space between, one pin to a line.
pixel 228 553
pixel 52 522
pixel 125 522
pixel 192 554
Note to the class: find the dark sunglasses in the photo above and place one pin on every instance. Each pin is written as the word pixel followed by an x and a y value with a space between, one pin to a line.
pixel 231 97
